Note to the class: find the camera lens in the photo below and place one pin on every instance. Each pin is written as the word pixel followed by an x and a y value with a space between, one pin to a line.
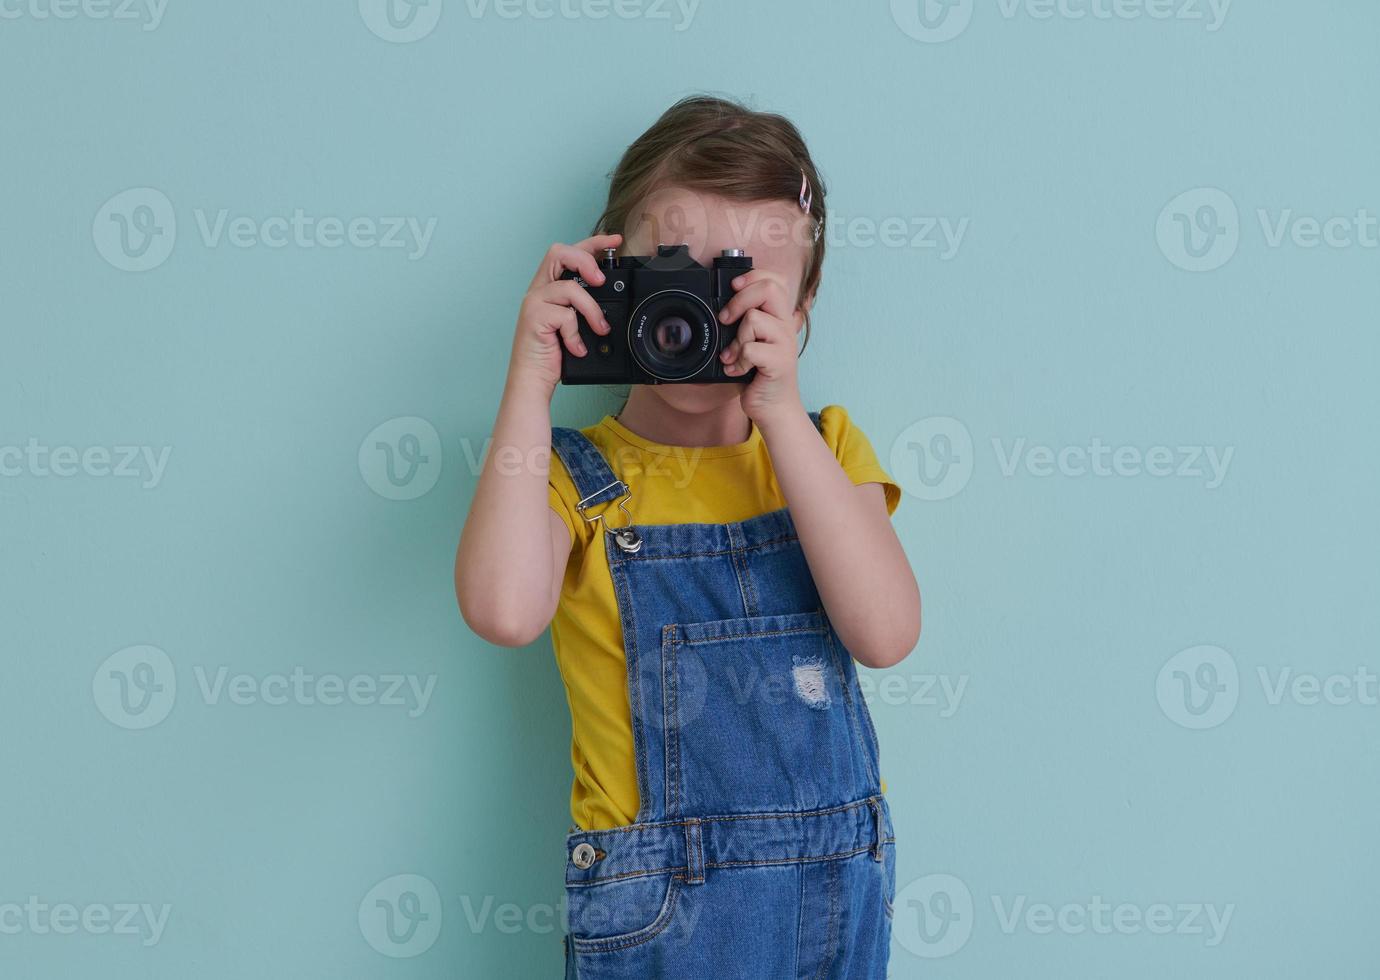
pixel 673 335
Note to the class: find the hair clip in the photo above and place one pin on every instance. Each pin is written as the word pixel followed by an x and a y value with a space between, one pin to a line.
pixel 807 194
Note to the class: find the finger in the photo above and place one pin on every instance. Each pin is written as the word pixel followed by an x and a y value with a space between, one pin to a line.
pixel 756 354
pixel 572 294
pixel 766 290
pixel 560 258
pixel 597 243
pixel 757 326
pixel 768 295
pixel 563 319
pixel 577 258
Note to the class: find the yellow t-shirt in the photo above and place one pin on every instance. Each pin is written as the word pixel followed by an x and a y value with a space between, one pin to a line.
pixel 730 483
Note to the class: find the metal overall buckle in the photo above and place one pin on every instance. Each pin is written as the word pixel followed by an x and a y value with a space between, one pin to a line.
pixel 626 537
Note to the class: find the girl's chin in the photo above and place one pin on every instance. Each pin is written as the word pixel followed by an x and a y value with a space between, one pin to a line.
pixel 698 397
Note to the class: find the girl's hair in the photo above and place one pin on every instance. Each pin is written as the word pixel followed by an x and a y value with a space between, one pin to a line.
pixel 720 147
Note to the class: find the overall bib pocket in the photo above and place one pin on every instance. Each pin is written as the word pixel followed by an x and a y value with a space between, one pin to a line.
pixel 759 717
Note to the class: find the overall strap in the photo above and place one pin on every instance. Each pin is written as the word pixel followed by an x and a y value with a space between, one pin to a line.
pixel 819 424
pixel 594 481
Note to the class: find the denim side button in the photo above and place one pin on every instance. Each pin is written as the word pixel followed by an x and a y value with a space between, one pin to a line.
pixel 583 856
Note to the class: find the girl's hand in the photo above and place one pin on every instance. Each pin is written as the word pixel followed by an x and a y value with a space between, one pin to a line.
pixel 547 317
pixel 767 341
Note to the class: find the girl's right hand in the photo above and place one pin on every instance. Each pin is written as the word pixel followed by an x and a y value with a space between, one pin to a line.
pixel 547 317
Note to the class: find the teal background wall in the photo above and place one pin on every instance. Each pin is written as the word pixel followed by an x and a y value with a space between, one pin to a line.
pixel 242 720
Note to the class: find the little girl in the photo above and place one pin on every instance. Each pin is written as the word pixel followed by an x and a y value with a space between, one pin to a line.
pixel 728 809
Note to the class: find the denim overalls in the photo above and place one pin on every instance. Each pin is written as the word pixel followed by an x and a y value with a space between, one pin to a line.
pixel 763 847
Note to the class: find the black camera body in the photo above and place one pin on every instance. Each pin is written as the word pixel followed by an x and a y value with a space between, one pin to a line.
pixel 664 315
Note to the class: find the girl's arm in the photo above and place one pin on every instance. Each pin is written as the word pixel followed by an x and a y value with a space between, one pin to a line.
pixel 857 562
pixel 513 550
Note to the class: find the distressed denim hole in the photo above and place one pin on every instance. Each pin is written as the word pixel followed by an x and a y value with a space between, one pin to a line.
pixel 810 685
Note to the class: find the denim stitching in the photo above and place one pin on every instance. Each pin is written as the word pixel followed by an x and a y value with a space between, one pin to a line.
pixel 831 948
pixel 764 815
pixel 715 637
pixel 760 863
pixel 659 924
pixel 717 553
pixel 628 617
pixel 670 708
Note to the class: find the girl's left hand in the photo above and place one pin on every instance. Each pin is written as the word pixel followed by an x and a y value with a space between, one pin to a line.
pixel 766 341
